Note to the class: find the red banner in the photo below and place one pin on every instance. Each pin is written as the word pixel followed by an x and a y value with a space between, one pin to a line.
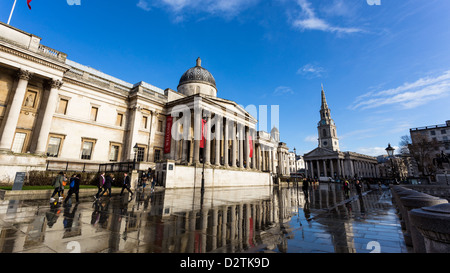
pixel 250 143
pixel 168 136
pixel 28 3
pixel 202 140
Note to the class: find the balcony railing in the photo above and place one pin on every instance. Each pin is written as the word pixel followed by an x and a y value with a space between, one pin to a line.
pixel 52 53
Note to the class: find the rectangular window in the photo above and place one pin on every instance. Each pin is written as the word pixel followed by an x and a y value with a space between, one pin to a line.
pixel 54 144
pixel 140 154
pixel 114 153
pixel 144 122
pixel 119 119
pixel 87 150
pixel 160 126
pixel 19 142
pixel 94 112
pixel 432 133
pixel 62 106
pixel 157 155
pixel 443 131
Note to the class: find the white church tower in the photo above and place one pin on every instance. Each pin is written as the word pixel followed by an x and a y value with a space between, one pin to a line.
pixel 327 128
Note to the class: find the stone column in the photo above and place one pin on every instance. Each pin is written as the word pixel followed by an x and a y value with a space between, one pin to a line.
pixel 318 169
pixel 246 147
pixel 241 145
pixel 197 134
pixel 234 144
pixel 225 143
pixel 255 154
pixel 332 168
pixel 324 162
pixel 218 138
pixel 208 139
pixel 41 146
pixel 10 124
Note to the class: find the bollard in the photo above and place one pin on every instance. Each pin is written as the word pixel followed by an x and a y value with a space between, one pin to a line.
pixel 401 211
pixel 433 223
pixel 415 201
pixel 404 213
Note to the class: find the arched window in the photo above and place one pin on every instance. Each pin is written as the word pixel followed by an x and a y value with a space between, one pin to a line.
pixel 324 133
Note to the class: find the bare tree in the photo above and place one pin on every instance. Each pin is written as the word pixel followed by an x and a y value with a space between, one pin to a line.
pixel 423 151
pixel 405 141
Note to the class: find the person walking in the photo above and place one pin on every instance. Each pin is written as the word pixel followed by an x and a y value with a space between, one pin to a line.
pixel 305 188
pixel 358 186
pixel 346 188
pixel 57 185
pixel 107 185
pixel 100 183
pixel 153 178
pixel 74 188
pixel 126 184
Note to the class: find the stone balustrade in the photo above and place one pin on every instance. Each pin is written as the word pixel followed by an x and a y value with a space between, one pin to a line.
pixel 425 219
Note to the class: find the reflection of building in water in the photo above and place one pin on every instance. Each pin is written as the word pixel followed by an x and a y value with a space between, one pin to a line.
pixel 182 221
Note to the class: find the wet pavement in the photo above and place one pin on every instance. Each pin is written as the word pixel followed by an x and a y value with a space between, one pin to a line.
pixel 225 220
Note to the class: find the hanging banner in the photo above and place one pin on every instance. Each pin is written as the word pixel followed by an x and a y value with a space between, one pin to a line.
pixel 168 136
pixel 250 143
pixel 202 141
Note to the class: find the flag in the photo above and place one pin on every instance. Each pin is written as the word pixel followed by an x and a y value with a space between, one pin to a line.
pixel 28 3
pixel 202 140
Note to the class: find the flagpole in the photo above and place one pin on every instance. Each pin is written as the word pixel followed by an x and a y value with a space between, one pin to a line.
pixel 12 10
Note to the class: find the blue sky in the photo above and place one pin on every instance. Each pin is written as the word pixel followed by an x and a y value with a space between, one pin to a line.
pixel 385 68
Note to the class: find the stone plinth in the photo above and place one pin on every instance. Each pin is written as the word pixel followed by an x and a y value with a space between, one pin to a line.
pixel 415 201
pixel 433 223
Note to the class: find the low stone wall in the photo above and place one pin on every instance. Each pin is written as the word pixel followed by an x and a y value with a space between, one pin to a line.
pixel 180 176
pixel 442 191
pixel 425 219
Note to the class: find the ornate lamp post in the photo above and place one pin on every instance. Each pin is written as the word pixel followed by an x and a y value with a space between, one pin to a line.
pixel 295 162
pixel 390 152
pixel 135 150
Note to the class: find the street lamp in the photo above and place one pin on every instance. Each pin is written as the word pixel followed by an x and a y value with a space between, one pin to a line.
pixel 390 152
pixel 295 162
pixel 135 150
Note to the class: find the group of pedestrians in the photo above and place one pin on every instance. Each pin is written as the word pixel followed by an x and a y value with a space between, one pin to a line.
pixel 105 182
pixel 60 182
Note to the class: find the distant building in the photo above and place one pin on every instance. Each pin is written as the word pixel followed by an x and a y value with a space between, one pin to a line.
pixel 431 149
pixel 328 161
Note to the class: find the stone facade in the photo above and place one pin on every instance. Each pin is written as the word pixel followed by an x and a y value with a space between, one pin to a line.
pixel 58 114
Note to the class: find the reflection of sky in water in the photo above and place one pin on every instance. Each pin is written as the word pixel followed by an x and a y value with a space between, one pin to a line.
pixel 253 219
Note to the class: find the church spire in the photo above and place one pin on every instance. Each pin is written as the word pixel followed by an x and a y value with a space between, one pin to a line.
pixel 324 100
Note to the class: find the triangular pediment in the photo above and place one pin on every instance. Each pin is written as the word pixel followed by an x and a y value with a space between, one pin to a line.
pixel 320 152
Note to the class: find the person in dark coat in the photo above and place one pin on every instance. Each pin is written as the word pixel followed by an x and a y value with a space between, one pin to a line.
pixel 305 188
pixel 107 185
pixel 126 184
pixel 101 181
pixel 358 186
pixel 74 188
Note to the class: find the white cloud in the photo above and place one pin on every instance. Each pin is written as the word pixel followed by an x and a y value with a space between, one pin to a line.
pixel 225 8
pixel 283 90
pixel 311 71
pixel 143 4
pixel 408 95
pixel 308 20
pixel 374 151
pixel 311 138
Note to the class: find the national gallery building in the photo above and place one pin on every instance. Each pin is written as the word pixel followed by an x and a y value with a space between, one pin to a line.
pixel 56 114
